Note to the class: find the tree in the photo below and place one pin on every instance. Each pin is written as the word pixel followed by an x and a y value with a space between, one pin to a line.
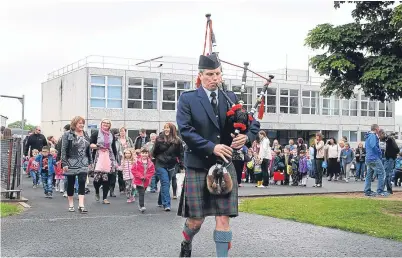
pixel 366 53
pixel 17 124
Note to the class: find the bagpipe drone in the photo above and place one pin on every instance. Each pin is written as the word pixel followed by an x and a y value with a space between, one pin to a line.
pixel 238 119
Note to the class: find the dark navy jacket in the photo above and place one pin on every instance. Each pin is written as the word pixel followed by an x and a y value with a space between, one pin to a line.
pixel 200 129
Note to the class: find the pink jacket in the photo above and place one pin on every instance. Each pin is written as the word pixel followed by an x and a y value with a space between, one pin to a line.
pixel 141 177
pixel 126 167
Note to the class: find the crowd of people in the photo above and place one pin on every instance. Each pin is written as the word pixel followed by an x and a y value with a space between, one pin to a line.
pixel 107 155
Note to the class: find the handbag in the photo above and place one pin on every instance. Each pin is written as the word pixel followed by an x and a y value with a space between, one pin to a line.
pixel 74 172
pixel 324 164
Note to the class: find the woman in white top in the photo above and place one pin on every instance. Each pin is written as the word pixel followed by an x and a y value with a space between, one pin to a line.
pixel 333 152
pixel 265 156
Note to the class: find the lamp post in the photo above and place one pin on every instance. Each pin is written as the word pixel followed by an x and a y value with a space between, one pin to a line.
pixel 22 100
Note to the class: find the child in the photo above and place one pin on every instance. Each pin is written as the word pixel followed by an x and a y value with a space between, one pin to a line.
pixel 278 164
pixel 303 167
pixel 53 152
pixel 59 177
pixel 250 166
pixel 347 157
pixel 129 159
pixel 294 162
pixel 143 170
pixel 398 170
pixel 287 167
pixel 258 171
pixel 46 169
pixel 33 168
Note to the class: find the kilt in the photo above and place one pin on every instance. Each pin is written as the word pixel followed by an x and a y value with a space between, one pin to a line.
pixel 197 202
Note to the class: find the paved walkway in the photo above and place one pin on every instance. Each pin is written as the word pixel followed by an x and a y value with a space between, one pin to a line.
pixel 118 229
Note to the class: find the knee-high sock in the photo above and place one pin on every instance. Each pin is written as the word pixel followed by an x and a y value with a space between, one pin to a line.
pixel 222 242
pixel 189 233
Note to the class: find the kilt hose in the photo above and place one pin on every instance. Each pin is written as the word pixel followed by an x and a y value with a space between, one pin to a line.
pixel 197 202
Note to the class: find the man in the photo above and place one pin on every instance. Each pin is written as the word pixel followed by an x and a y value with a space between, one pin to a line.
pixel 201 117
pixel 391 152
pixel 374 162
pixel 26 137
pixel 35 141
pixel 141 140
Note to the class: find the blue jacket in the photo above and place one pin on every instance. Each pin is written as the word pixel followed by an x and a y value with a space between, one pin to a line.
pixel 201 130
pixel 347 156
pixel 373 151
pixel 51 163
pixel 398 163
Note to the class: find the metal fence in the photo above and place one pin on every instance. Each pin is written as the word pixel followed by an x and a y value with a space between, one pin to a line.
pixel 10 166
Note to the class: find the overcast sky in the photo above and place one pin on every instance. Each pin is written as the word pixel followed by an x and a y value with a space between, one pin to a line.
pixel 41 36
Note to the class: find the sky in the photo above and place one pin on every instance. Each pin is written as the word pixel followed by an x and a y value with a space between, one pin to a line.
pixel 42 36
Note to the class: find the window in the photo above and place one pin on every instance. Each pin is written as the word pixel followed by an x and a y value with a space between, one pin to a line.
pixel 351 135
pixel 269 100
pixel 247 96
pixel 385 109
pixel 330 106
pixel 289 101
pixel 310 102
pixel 349 107
pixel 367 107
pixel 142 93
pixel 171 93
pixel 106 91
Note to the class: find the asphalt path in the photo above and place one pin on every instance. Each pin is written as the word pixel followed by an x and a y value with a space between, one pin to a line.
pixel 47 229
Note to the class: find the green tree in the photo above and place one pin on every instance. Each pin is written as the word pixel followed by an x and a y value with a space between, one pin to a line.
pixel 17 124
pixel 366 53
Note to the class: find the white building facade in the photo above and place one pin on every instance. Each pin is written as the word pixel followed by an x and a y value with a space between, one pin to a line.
pixel 3 120
pixel 143 94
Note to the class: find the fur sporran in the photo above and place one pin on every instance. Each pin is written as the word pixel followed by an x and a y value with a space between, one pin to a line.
pixel 219 180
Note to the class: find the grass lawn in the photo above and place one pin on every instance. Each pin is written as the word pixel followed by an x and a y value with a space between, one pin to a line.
pixel 9 209
pixel 379 218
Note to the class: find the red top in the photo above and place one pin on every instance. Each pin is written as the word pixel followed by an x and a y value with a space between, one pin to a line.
pixel 142 177
pixel 33 165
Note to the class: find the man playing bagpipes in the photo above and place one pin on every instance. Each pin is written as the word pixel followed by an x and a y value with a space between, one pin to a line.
pixel 202 122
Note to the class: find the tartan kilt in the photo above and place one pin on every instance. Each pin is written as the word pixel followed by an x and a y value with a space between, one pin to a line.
pixel 197 202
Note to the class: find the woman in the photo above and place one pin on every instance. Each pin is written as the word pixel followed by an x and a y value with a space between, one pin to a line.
pixel 313 153
pixel 123 142
pixel 341 145
pixel 319 145
pixel 333 158
pixel 301 146
pixel 265 156
pixel 167 150
pixel 276 146
pixel 76 160
pixel 360 162
pixel 104 144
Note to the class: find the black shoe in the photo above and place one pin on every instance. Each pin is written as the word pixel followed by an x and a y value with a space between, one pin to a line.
pixel 185 249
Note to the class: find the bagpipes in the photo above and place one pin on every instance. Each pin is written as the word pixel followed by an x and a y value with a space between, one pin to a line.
pixel 238 119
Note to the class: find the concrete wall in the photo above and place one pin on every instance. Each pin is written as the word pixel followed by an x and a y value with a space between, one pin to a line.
pixel 62 99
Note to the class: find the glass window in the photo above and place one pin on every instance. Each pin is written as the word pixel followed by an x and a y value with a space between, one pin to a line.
pixel 330 106
pixel 351 135
pixel 106 91
pixel 385 109
pixel 310 102
pixel 171 93
pixel 269 99
pixel 367 107
pixel 289 101
pixel 349 107
pixel 142 93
